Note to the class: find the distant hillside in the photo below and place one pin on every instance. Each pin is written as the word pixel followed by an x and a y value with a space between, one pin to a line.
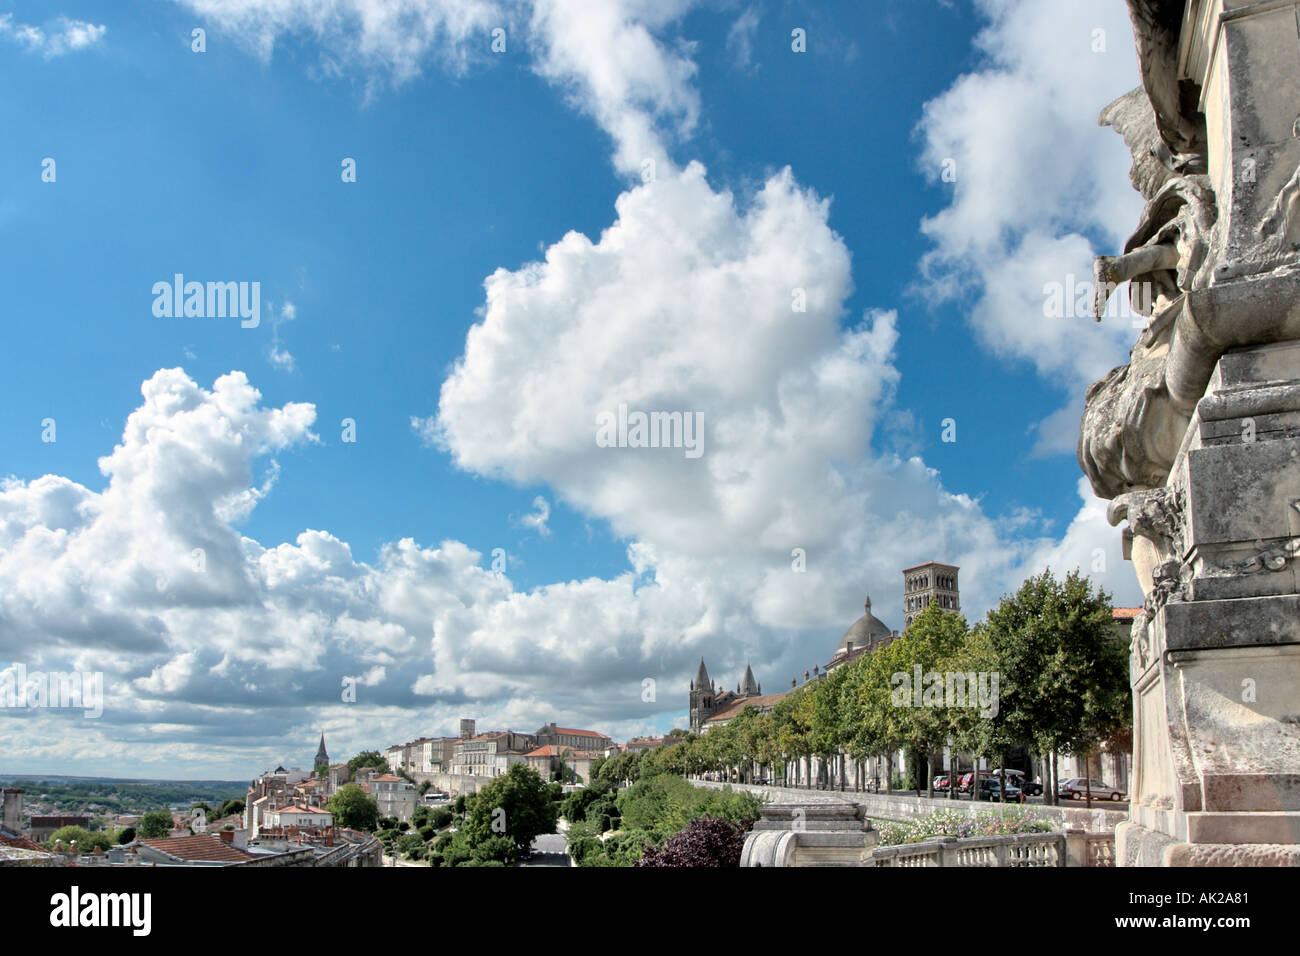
pixel 102 796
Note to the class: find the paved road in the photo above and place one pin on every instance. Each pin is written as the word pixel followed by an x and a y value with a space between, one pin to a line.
pixel 549 850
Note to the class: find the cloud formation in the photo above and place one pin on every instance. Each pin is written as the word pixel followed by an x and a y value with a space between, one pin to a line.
pixel 693 299
pixel 57 37
pixel 1040 189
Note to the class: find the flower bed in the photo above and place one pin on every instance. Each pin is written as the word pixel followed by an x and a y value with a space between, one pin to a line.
pixel 963 825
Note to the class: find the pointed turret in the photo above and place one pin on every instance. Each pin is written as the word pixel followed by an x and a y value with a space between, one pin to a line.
pixel 749 687
pixel 322 757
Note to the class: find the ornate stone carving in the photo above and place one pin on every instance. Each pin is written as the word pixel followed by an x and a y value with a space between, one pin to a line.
pixel 1156 514
pixel 1273 558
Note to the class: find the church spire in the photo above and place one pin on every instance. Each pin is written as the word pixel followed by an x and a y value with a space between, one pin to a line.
pixel 749 687
pixel 322 757
pixel 702 677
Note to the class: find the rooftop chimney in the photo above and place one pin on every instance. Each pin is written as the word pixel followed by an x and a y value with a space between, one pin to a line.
pixel 13 808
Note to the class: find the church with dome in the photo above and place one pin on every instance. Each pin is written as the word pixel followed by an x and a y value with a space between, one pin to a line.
pixel 712 705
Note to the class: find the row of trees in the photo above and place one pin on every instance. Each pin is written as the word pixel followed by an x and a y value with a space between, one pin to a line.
pixel 1061 687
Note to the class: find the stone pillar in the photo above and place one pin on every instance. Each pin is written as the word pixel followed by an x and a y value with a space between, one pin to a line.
pixel 1216 654
pixel 1197 439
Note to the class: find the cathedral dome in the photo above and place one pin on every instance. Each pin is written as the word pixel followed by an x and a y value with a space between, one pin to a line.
pixel 866 631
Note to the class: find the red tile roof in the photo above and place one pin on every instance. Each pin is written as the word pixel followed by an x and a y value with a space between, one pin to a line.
pixel 1125 613
pixel 579 733
pixel 547 751
pixel 201 848
pixel 21 843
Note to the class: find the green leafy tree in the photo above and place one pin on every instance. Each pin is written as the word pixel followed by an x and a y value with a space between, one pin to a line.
pixel 352 807
pixel 155 824
pixel 931 646
pixel 984 733
pixel 517 805
pixel 368 758
pixel 830 724
pixel 792 717
pixel 440 819
pixel 874 725
pixel 760 743
pixel 229 808
pixel 574 807
pixel 86 840
pixel 1065 674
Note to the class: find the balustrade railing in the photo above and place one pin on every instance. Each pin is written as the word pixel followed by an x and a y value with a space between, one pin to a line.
pixel 1062 848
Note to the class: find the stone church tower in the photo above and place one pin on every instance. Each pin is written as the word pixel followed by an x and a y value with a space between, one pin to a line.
pixel 707 698
pixel 929 583
pixel 322 758
pixel 703 698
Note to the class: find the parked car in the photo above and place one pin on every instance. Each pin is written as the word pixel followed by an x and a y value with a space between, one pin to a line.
pixel 1077 788
pixel 991 789
pixel 1017 777
pixel 941 783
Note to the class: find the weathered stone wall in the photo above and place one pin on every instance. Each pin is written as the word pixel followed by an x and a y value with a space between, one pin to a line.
pixel 453 783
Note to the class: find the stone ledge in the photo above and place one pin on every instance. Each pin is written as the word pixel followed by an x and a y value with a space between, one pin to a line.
pixel 1282 827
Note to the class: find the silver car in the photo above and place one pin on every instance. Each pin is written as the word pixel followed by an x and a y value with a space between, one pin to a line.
pixel 1078 787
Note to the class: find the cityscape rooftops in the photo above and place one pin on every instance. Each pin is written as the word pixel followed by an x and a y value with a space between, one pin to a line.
pixel 200 848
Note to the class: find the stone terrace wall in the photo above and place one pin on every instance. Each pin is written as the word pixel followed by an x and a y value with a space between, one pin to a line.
pixel 453 783
pixel 901 807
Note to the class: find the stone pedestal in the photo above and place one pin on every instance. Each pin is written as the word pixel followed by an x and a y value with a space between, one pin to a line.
pixel 810 834
pixel 1216 653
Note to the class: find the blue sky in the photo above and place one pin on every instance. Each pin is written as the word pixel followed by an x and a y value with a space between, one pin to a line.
pixel 485 185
